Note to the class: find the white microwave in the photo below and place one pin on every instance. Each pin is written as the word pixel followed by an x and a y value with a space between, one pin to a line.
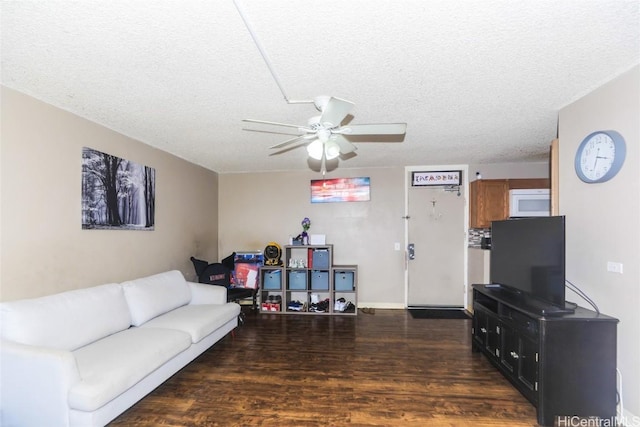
pixel 529 202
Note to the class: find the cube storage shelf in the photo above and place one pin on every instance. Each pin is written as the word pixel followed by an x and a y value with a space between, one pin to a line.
pixel 308 277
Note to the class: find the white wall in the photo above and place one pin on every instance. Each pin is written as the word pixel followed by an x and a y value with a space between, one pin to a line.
pixel 45 250
pixel 603 220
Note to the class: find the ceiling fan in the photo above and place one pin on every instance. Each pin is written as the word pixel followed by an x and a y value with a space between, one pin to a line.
pixel 324 135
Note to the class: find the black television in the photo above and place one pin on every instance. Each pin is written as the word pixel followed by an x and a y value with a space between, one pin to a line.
pixel 528 257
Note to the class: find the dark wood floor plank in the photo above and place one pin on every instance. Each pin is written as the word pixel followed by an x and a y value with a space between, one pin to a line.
pixel 386 369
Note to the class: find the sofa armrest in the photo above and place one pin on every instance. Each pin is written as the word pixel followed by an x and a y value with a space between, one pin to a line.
pixel 34 384
pixel 207 294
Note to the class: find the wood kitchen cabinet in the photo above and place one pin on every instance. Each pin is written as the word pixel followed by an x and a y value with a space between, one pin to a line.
pixel 489 201
pixel 521 183
pixel 489 198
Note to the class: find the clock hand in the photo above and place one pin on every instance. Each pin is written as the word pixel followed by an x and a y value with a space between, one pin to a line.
pixel 595 162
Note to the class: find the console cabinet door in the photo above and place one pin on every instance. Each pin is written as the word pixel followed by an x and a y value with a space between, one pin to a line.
pixel 486 331
pixel 510 347
pixel 480 328
pixel 519 357
pixel 528 365
pixel 494 329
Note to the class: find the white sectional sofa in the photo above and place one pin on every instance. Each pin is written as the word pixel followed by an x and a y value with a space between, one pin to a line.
pixel 81 358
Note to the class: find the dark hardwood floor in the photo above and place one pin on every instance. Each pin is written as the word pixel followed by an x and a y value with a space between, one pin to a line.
pixel 386 369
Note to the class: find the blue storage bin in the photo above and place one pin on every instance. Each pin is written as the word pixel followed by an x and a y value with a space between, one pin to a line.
pixel 320 280
pixel 298 280
pixel 343 281
pixel 272 279
pixel 320 258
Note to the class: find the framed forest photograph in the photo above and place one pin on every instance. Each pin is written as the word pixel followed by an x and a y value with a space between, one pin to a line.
pixel 116 193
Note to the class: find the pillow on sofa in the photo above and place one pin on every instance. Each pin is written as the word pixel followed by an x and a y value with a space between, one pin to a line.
pixel 151 296
pixel 68 320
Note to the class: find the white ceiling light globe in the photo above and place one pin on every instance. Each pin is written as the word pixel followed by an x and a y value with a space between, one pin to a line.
pixel 331 150
pixel 315 149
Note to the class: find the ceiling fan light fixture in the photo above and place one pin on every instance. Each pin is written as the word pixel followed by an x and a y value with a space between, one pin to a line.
pixel 315 149
pixel 331 150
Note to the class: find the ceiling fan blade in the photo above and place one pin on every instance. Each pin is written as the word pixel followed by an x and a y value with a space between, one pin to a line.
pixel 345 145
pixel 335 111
pixel 264 122
pixel 375 129
pixel 289 148
pixel 290 141
pixel 287 132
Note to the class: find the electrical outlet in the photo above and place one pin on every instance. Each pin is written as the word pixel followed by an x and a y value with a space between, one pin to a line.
pixel 614 267
pixel 396 246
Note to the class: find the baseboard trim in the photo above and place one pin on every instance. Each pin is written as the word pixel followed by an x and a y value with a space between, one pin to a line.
pixel 381 305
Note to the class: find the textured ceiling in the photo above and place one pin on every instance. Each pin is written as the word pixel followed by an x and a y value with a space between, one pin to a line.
pixel 476 81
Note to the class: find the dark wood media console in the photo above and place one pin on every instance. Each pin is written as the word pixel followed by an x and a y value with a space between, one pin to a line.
pixel 563 363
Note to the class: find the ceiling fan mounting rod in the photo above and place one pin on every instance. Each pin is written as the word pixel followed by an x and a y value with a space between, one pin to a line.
pixel 254 36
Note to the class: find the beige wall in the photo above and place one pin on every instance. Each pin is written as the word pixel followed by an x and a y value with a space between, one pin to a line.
pixel 603 220
pixel 44 249
pixel 256 208
pixel 510 170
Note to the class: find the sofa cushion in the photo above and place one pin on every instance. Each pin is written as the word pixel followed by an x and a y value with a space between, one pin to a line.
pixel 152 296
pixel 67 320
pixel 197 320
pixel 112 365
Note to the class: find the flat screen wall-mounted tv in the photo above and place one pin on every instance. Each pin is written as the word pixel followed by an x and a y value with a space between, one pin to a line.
pixel 528 256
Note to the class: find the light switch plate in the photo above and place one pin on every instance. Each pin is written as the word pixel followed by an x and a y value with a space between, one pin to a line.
pixel 614 267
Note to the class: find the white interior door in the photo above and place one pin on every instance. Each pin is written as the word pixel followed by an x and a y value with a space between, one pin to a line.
pixel 436 229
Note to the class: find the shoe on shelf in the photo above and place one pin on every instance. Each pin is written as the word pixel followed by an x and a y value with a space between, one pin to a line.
pixel 340 305
pixel 295 306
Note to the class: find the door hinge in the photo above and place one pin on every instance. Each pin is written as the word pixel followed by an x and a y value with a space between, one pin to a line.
pixel 536 357
pixel 535 387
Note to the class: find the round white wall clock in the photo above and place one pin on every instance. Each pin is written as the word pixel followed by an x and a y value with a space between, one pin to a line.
pixel 600 156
